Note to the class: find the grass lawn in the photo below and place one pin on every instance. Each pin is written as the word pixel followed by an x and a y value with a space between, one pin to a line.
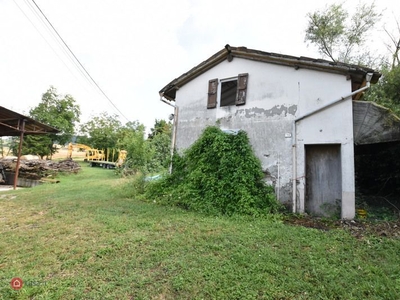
pixel 81 239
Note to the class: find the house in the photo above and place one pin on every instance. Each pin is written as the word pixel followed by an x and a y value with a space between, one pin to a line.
pixel 301 116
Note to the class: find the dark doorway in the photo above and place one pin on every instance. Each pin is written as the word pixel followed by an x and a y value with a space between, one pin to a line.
pixel 323 180
pixel 377 179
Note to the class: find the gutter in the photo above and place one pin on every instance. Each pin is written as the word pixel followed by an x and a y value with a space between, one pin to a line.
pixel 368 78
pixel 174 125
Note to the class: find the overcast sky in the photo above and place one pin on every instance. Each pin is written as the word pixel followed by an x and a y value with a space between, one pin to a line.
pixel 134 48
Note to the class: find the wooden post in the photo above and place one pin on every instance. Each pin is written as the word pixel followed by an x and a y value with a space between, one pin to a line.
pixel 21 139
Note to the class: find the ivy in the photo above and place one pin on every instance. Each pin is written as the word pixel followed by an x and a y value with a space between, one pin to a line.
pixel 218 174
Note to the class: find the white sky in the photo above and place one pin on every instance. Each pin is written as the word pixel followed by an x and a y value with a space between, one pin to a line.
pixel 134 48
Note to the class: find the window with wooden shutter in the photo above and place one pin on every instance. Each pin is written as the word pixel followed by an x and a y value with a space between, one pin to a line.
pixel 212 93
pixel 242 89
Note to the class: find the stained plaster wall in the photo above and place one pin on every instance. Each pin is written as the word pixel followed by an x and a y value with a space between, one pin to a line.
pixel 276 95
pixel 330 126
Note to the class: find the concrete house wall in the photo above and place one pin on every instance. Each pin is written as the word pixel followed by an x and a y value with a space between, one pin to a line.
pixel 298 114
pixel 276 96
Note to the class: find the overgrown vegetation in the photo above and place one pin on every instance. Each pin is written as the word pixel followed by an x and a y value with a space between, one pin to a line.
pixel 387 91
pixel 218 174
pixel 83 239
pixel 144 155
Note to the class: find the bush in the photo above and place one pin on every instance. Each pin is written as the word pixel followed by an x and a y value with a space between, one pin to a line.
pixel 218 174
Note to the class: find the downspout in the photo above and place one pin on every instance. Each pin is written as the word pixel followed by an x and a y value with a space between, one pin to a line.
pixel 174 129
pixel 294 167
pixel 368 78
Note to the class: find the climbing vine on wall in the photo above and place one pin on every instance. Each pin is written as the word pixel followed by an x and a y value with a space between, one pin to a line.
pixel 218 174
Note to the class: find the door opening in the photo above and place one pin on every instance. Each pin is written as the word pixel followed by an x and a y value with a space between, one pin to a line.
pixel 323 180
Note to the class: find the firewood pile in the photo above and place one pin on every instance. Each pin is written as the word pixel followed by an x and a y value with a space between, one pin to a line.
pixel 39 168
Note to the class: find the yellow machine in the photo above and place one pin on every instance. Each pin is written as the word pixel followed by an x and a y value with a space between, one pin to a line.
pixel 77 147
pixel 81 147
pixel 109 158
pixel 121 157
pixel 94 155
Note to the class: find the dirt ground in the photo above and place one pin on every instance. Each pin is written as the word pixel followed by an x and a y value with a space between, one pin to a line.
pixel 62 153
pixel 357 228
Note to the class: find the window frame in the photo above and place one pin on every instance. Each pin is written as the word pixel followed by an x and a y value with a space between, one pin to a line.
pixel 214 94
pixel 229 100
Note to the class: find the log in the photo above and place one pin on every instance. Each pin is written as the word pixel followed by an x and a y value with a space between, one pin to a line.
pixel 39 168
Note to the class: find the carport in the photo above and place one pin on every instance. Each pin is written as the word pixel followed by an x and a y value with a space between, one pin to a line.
pixel 15 124
pixel 374 124
pixel 376 146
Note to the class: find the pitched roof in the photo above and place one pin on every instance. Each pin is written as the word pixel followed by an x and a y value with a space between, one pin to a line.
pixel 356 73
pixel 11 124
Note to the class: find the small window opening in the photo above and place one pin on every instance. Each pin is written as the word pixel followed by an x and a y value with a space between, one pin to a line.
pixel 228 92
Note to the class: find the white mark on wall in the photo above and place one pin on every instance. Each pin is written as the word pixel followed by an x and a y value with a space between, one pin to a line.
pixel 277 110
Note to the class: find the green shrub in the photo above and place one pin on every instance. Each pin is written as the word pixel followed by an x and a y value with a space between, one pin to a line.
pixel 218 174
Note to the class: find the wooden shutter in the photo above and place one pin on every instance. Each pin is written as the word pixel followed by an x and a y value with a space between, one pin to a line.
pixel 242 89
pixel 212 93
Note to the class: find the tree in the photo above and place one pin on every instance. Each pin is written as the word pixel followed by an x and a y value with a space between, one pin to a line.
pixel 106 132
pixel 146 155
pixel 160 126
pixel 132 139
pixel 143 155
pixel 160 143
pixel 41 145
pixel 396 46
pixel 101 131
pixel 13 146
pixel 61 112
pixel 387 91
pixel 337 36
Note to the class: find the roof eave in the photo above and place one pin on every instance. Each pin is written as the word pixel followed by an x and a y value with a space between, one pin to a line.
pixel 11 124
pixel 306 63
pixel 357 73
pixel 169 91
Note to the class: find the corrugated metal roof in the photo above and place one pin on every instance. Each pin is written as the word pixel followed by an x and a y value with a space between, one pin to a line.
pixel 374 124
pixel 11 124
pixel 355 72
